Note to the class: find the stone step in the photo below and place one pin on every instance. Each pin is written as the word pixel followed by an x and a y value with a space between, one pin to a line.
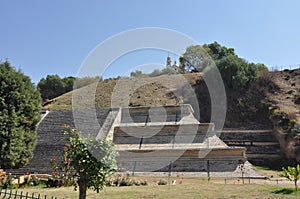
pixel 263 156
pixel 248 136
pixel 160 154
pixel 203 145
pixel 182 165
pixel 250 143
pixel 155 114
pixel 160 134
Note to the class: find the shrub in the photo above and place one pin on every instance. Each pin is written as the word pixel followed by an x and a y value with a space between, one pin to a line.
pixel 144 183
pixel 125 181
pixel 295 130
pixel 162 182
pixel 140 182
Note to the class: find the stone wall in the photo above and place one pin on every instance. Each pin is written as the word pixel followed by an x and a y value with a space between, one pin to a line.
pixel 262 147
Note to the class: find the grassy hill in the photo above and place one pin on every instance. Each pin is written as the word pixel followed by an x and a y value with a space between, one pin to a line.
pixel 245 108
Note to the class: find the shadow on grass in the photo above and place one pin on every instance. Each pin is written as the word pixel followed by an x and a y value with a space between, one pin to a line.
pixel 286 191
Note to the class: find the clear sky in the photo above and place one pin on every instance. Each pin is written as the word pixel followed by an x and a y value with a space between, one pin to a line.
pixel 54 37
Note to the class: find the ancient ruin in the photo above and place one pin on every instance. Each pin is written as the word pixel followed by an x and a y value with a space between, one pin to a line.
pixel 158 140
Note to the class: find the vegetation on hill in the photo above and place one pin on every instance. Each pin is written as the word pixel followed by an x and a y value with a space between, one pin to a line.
pixel 236 72
pixel 20 105
pixel 53 86
pixel 282 101
pixel 155 73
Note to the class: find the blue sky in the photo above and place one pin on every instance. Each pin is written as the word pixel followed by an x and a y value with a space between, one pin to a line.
pixel 54 37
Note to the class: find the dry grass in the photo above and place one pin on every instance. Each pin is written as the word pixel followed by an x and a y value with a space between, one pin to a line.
pixel 189 188
pixel 141 92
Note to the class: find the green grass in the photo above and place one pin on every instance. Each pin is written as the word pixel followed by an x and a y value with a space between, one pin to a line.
pixel 184 188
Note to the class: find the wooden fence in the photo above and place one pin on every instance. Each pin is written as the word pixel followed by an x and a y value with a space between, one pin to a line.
pixel 10 194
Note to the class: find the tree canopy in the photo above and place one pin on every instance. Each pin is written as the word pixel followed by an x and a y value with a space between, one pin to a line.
pixel 53 86
pixel 235 71
pixel 19 115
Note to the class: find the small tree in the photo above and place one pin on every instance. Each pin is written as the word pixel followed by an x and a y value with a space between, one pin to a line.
pixel 292 174
pixel 88 162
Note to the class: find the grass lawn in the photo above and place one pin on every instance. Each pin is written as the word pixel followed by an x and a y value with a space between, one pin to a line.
pixel 189 188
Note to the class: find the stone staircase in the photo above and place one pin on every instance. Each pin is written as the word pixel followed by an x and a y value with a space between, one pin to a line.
pixel 262 147
pixel 51 138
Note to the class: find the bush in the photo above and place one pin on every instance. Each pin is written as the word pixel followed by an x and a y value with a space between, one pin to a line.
pixel 140 182
pixel 54 182
pixel 162 182
pixel 125 181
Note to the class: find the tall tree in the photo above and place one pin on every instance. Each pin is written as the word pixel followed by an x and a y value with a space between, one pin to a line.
pixel 19 114
pixel 235 71
pixel 52 86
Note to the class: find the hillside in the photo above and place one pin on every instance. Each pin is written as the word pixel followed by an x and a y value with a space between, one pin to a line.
pixel 245 109
pixel 287 98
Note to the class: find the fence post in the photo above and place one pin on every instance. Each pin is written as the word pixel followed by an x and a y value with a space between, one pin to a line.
pixel 26 195
pixel 16 192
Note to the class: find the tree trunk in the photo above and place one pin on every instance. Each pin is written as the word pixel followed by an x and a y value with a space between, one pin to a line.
pixel 296 187
pixel 82 190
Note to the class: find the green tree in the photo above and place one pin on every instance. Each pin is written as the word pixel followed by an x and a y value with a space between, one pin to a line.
pixel 88 162
pixel 168 71
pixel 292 174
pixel 68 83
pixel 137 73
pixel 194 59
pixel 155 73
pixel 236 72
pixel 52 86
pixel 20 106
pixel 217 52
